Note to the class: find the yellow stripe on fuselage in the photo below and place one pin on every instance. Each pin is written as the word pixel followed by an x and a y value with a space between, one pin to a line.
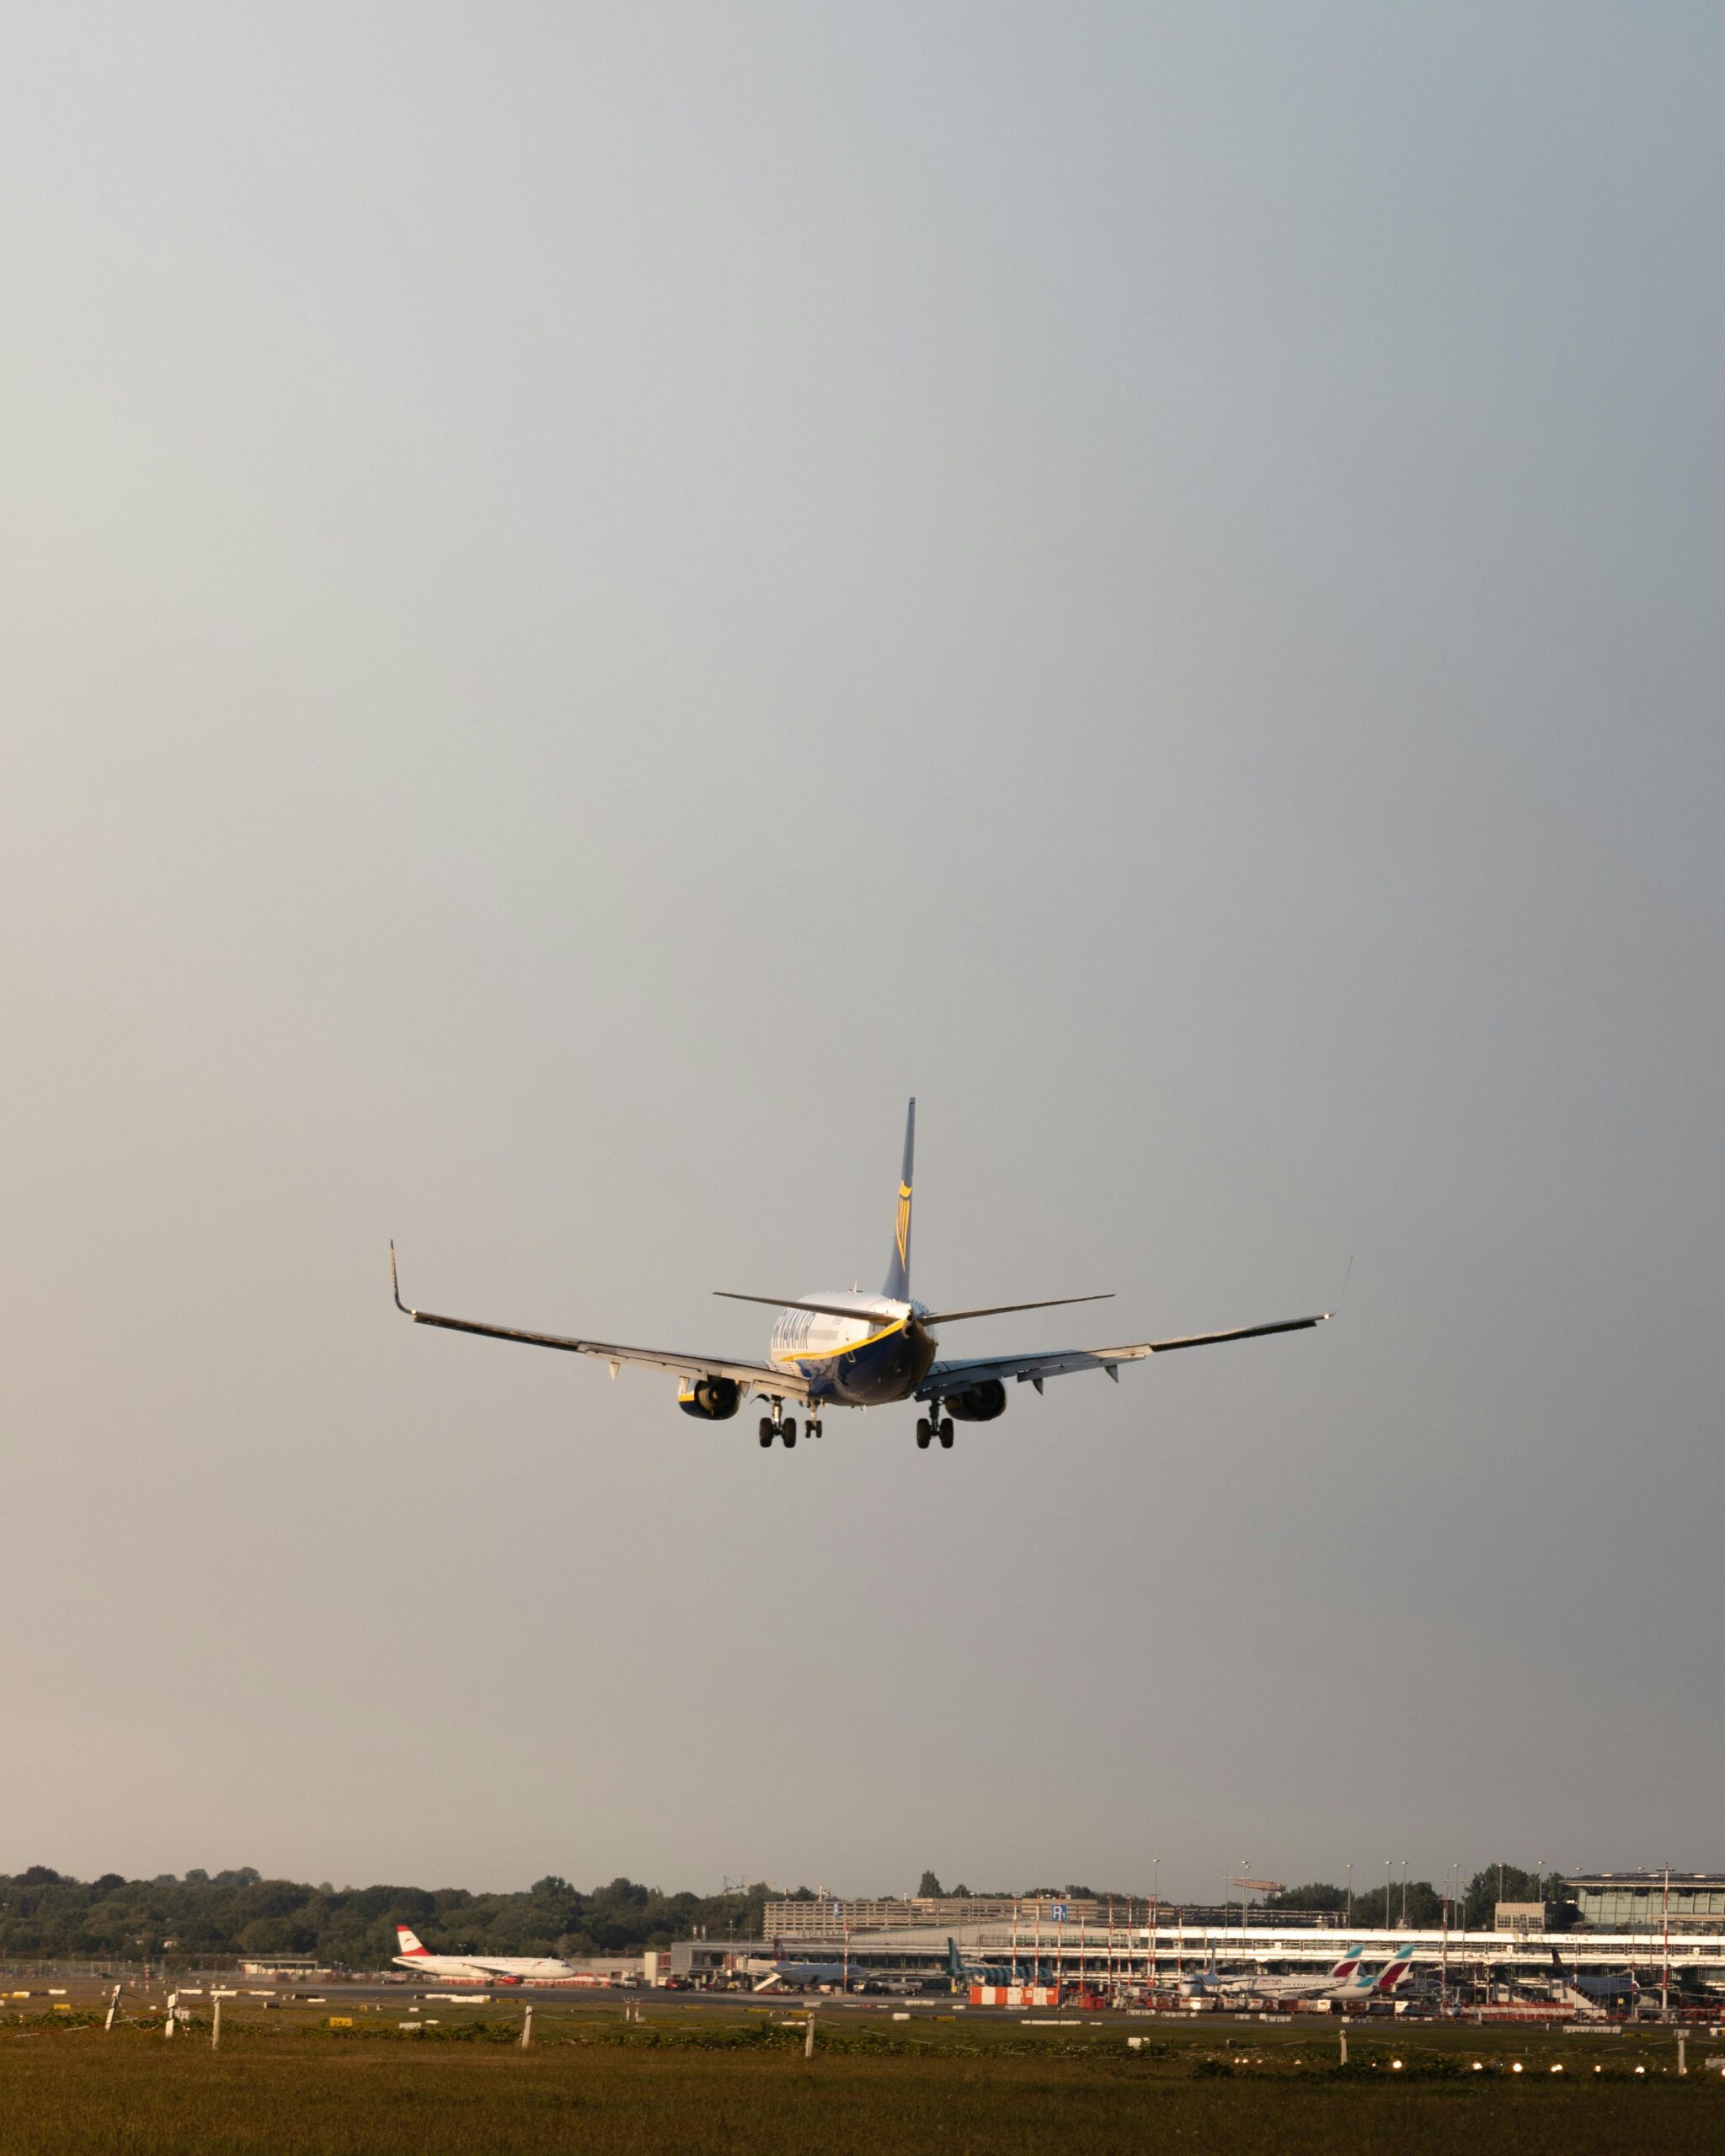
pixel 850 1347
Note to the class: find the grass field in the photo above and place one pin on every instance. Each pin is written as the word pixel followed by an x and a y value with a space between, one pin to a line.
pixel 994 2089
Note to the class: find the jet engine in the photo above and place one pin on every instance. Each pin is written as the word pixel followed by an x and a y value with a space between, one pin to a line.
pixel 713 1400
pixel 981 1403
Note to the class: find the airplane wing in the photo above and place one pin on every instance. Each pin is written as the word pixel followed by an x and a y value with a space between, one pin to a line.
pixel 945 1378
pixel 779 1385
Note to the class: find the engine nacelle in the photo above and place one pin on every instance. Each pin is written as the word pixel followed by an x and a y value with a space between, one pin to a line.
pixel 981 1403
pixel 713 1400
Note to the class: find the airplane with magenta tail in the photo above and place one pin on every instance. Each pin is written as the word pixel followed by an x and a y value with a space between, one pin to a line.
pixel 854 1350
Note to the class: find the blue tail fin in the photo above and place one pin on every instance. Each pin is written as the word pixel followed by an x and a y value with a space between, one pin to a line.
pixel 898 1274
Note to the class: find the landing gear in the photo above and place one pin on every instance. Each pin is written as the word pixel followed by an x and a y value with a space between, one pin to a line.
pixel 778 1424
pixel 813 1429
pixel 934 1425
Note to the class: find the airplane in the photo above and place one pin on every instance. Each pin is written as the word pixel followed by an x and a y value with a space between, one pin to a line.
pixel 1368 1986
pixel 788 1973
pixel 480 1968
pixel 1342 1979
pixel 801 1976
pixel 1349 1982
pixel 1592 1994
pixel 841 1349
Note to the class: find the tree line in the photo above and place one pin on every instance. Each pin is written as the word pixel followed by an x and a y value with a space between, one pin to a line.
pixel 1419 1904
pixel 44 1915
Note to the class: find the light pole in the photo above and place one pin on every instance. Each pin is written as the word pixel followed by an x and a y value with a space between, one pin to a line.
pixel 1389 1889
pixel 1444 1975
pixel 1665 1962
pixel 1350 1897
pixel 1155 1916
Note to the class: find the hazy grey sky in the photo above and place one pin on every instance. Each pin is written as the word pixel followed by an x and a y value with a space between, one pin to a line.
pixel 596 594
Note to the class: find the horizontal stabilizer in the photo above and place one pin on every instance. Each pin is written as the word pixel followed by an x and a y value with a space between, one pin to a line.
pixel 792 1302
pixel 1001 1309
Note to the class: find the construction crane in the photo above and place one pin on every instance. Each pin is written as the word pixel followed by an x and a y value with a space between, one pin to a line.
pixel 1256 1886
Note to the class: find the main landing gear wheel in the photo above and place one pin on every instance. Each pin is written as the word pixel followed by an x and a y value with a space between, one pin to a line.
pixel 790 1432
pixel 946 1434
pixel 923 1434
pixel 765 1431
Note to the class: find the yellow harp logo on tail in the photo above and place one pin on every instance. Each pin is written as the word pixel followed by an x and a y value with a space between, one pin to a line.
pixel 902 1231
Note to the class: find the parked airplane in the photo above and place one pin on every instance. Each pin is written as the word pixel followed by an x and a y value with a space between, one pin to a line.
pixel 480 1968
pixel 1381 1984
pixel 1342 1979
pixel 1348 1983
pixel 853 1350
pixel 803 1976
pixel 787 1972
pixel 1591 1993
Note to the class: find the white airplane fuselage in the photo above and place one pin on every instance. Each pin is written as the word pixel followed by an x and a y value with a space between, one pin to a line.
pixel 454 1968
pixel 880 1355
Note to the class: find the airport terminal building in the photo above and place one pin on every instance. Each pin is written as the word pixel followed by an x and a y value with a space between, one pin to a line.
pixel 1646 1901
pixel 826 1917
pixel 1626 1919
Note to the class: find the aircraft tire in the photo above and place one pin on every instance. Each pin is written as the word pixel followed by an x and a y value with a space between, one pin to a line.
pixel 765 1431
pixel 790 1433
pixel 923 1434
pixel 946 1434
